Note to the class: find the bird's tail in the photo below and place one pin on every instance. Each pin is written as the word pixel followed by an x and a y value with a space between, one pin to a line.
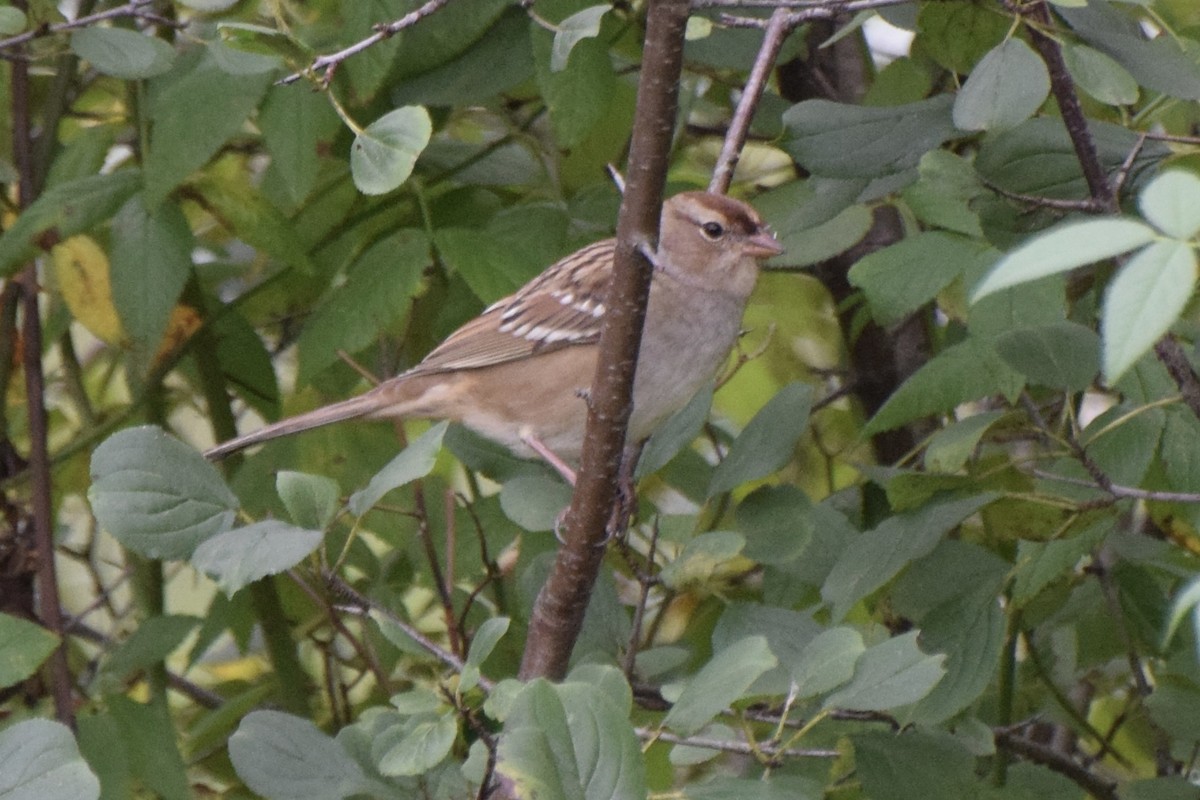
pixel 353 408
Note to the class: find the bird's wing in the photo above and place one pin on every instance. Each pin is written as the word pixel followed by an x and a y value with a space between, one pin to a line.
pixel 562 306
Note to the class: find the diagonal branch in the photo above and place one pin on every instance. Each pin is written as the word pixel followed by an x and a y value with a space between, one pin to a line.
pixel 329 63
pixel 778 29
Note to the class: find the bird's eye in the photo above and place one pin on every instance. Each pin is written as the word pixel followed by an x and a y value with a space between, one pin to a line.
pixel 713 230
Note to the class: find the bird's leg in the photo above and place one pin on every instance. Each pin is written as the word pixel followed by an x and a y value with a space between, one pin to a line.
pixel 626 501
pixel 549 456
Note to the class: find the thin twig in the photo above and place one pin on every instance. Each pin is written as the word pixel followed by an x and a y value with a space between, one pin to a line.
pixel 733 746
pixel 1122 492
pixel 1062 86
pixel 647 580
pixel 365 604
pixel 135 8
pixel 735 138
pixel 383 31
pixel 1094 785
pixel 35 398
pixel 807 13
pixel 1090 205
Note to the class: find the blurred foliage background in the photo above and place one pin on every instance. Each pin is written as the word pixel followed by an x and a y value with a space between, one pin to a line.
pixel 933 535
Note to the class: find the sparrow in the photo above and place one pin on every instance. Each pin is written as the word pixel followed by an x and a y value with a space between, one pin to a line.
pixel 520 372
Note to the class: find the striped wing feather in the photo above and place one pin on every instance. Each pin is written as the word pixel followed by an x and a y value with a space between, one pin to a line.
pixel 562 306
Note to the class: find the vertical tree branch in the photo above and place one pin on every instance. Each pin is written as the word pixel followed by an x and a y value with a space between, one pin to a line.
pixel 35 389
pixel 559 610
pixel 1167 349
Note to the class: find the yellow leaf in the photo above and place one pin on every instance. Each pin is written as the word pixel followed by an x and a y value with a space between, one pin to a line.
pixel 184 321
pixel 81 269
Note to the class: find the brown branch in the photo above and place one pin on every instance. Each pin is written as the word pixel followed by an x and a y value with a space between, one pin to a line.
pixel 135 8
pixel 1094 785
pixel 35 393
pixel 383 31
pixel 559 610
pixel 365 604
pixel 733 746
pixel 1063 89
pixel 735 138
pixel 1172 356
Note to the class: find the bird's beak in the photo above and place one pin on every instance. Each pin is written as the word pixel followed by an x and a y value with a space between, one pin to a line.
pixel 763 244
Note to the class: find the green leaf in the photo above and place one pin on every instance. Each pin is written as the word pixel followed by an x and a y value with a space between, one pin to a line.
pixel 676 433
pixel 415 461
pixel 263 41
pixel 157 496
pixel 24 645
pixel 942 195
pixel 1143 302
pixel 64 210
pixel 579 96
pixel 958 33
pixel 1163 64
pixel 536 752
pixel 872 559
pixel 377 294
pixel 787 633
pixel 39 760
pixel 123 53
pixel 310 500
pixel 425 742
pixel 1038 157
pixel 516 245
pixel 966 371
pixel 827 661
pixel 154 640
pixel 1041 563
pixel 1171 202
pixel 195 108
pixel 1063 248
pixel 570 741
pixel 915 765
pixel 384 153
pixel 889 675
pixel 249 216
pixel 151 260
pixel 841 140
pixel 581 25
pixel 949 448
pixel 149 738
pixel 768 442
pixel 720 682
pixel 1100 76
pixel 1186 602
pixel 298 125
pixel 283 757
pixel 499 61
pixel 534 501
pixel 1123 441
pixel 241 556
pixel 902 277
pixel 701 558
pixel 969 629
pixel 12 21
pixel 777 522
pixel 1063 355
pixel 482 644
pixel 1006 88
